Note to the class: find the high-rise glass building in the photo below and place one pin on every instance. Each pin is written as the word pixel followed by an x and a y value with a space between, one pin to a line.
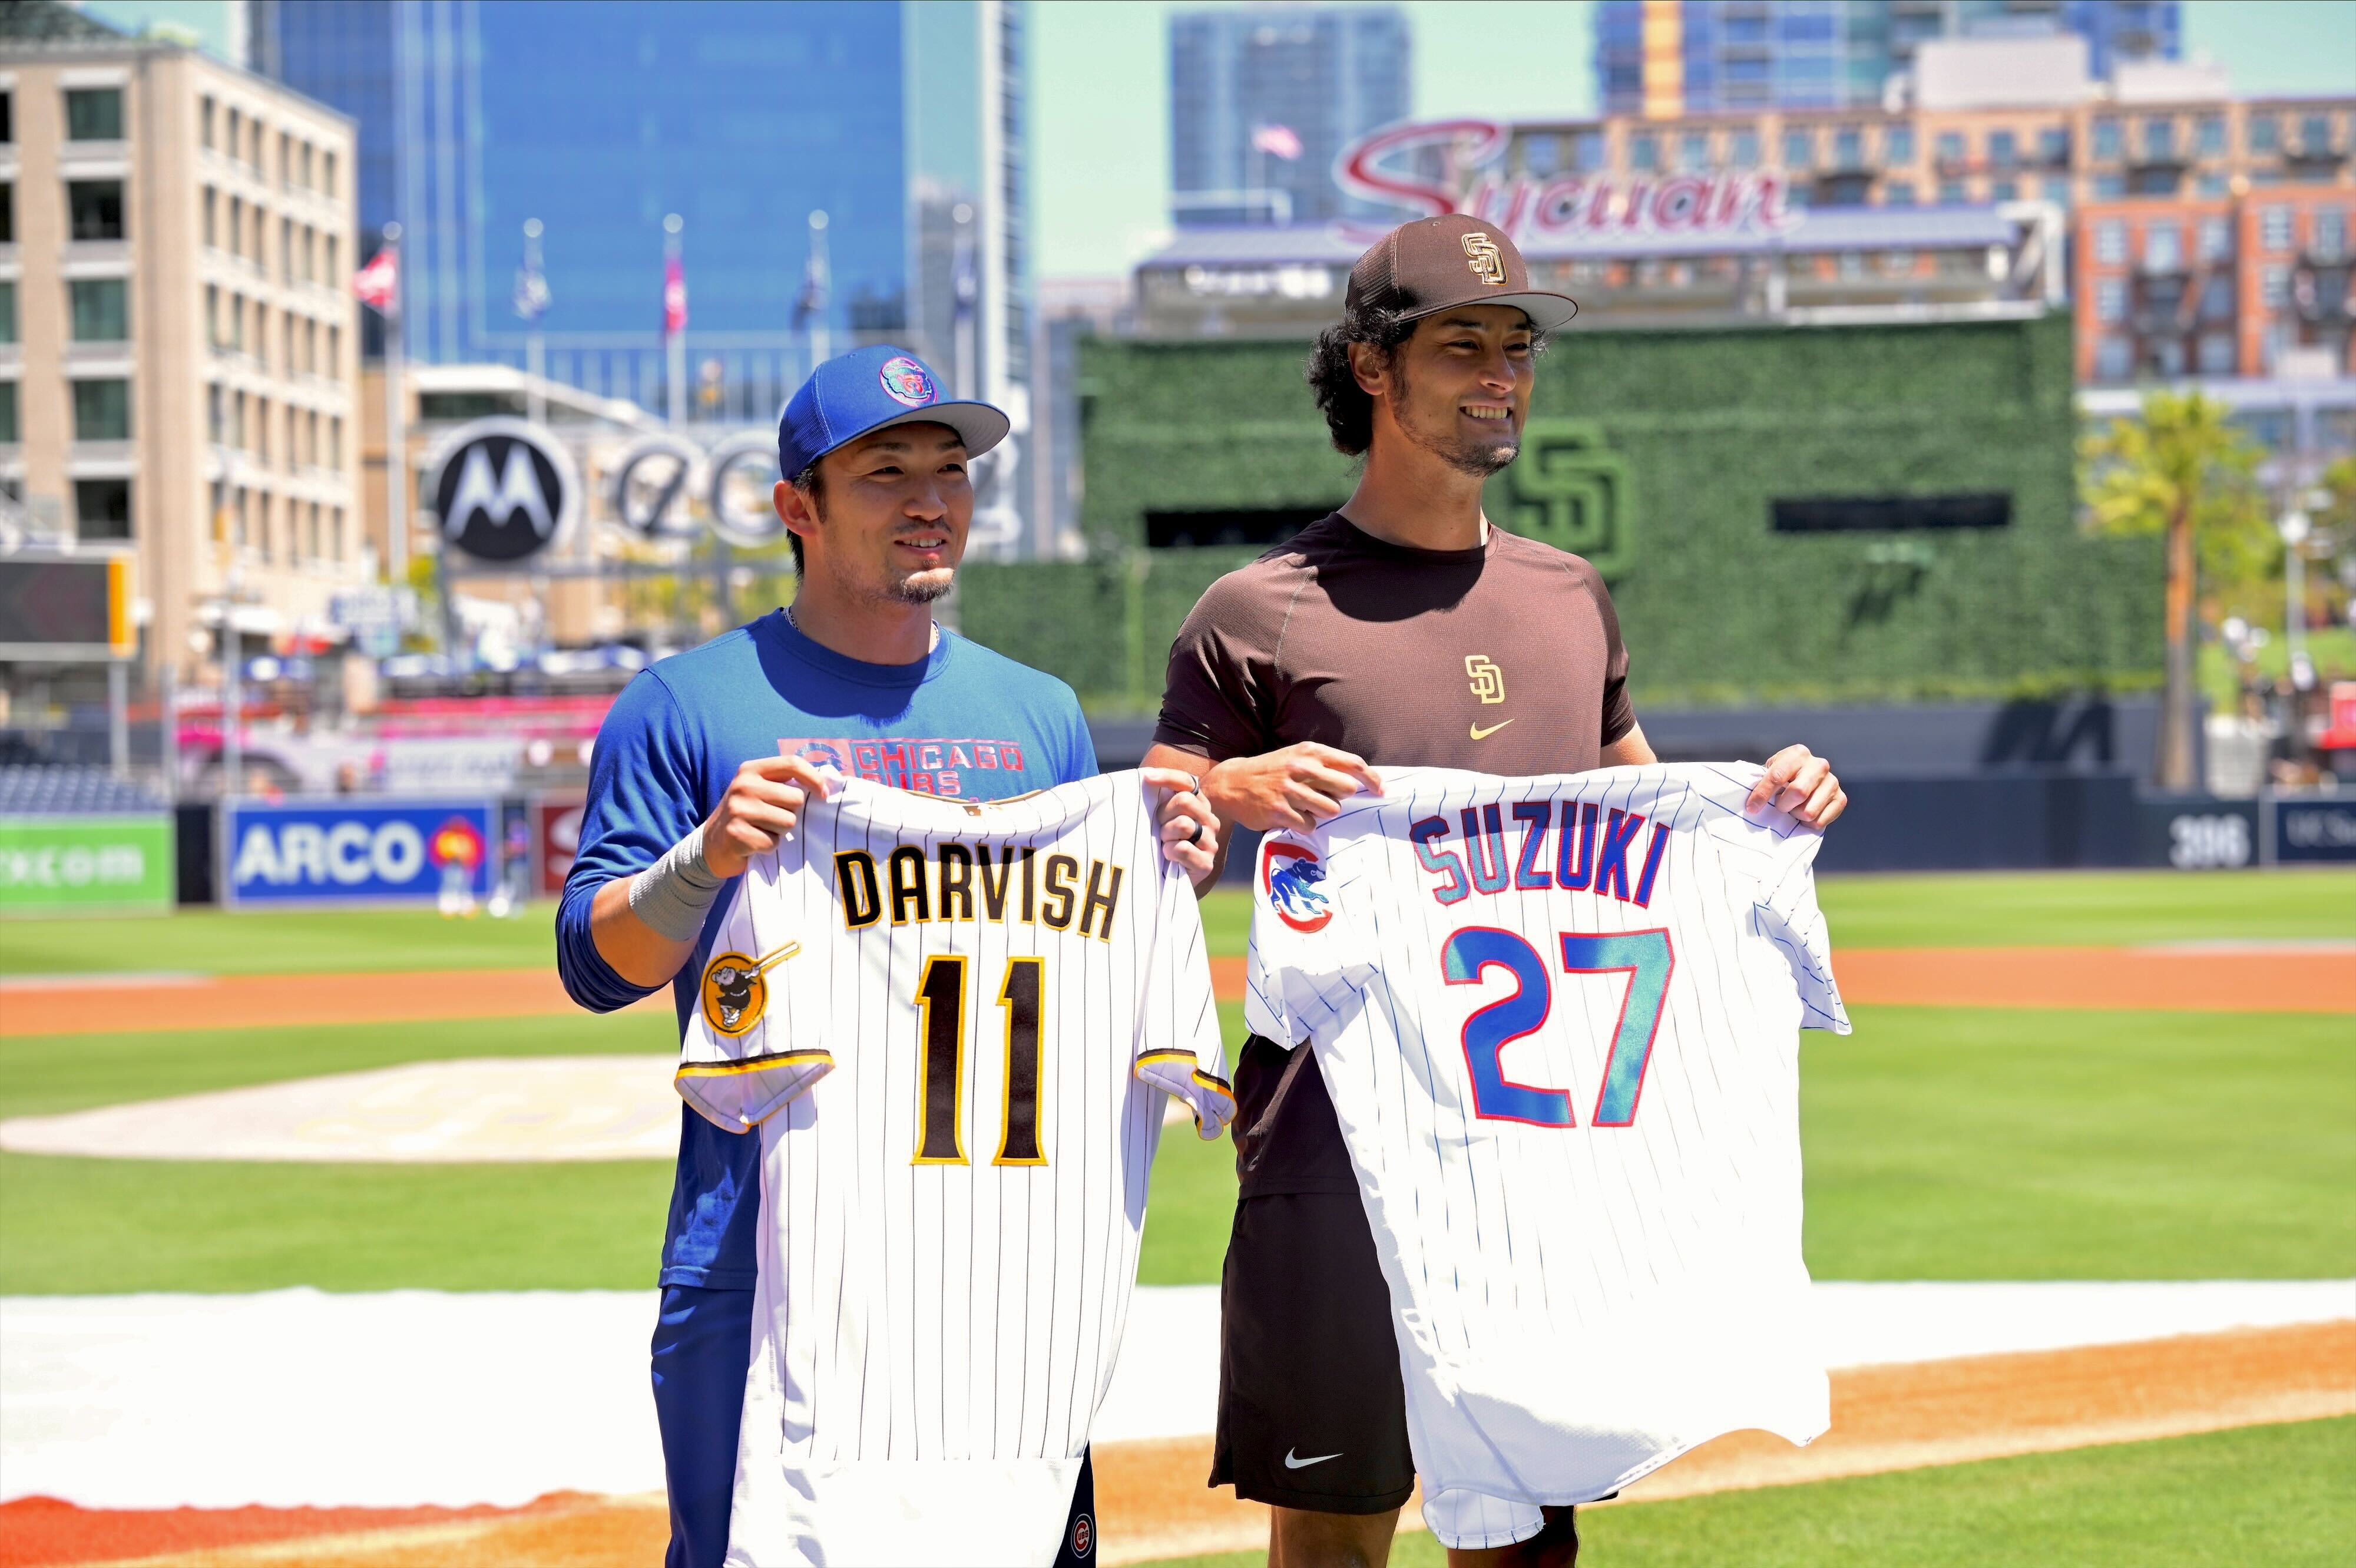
pixel 1662 59
pixel 1262 99
pixel 905 125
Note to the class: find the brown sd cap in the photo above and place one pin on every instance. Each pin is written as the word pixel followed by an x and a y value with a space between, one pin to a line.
pixel 1422 268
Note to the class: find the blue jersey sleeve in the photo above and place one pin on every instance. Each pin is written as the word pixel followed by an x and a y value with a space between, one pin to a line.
pixel 646 792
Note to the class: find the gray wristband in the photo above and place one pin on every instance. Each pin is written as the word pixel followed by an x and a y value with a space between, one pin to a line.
pixel 674 894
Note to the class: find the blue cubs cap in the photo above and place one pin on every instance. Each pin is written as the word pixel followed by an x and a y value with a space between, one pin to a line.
pixel 867 389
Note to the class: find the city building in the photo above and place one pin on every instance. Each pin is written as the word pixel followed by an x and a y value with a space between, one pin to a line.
pixel 1262 98
pixel 1664 58
pixel 178 374
pixel 842 173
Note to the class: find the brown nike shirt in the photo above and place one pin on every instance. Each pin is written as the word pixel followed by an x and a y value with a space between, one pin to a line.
pixel 1505 659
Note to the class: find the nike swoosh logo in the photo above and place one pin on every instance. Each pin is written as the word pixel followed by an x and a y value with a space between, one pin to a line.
pixel 1480 734
pixel 1292 1463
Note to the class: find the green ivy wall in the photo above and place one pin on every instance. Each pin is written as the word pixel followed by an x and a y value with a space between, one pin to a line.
pixel 1701 431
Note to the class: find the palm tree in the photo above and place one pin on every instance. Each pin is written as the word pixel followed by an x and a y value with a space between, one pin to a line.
pixel 2182 471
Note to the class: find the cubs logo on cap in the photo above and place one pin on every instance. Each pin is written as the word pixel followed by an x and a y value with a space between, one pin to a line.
pixel 907 382
pixel 860 392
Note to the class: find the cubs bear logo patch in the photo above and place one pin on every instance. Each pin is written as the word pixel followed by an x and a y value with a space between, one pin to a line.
pixel 736 990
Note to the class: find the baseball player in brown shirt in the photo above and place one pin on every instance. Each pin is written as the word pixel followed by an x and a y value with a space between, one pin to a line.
pixel 1402 630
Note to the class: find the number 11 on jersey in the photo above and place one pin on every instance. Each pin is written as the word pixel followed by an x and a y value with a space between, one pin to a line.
pixel 1645 957
pixel 940 1077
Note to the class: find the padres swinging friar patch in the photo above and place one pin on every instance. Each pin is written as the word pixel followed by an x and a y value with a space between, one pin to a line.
pixel 736 991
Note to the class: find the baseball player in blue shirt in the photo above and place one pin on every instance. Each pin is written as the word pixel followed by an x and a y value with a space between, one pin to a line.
pixel 704 761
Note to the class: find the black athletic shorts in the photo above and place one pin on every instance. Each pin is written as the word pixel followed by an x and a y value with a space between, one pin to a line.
pixel 1312 1412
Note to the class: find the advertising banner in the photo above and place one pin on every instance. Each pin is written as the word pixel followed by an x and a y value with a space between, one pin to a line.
pixel 2196 833
pixel 2314 832
pixel 556 833
pixel 52 864
pixel 357 851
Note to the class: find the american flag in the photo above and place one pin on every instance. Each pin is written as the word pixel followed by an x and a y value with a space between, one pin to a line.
pixel 377 283
pixel 1277 141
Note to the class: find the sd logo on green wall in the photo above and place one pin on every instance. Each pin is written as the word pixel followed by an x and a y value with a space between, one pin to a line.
pixel 1568 490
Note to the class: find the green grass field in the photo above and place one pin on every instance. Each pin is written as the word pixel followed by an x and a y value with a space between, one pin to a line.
pixel 1962 909
pixel 2259 1497
pixel 1950 1143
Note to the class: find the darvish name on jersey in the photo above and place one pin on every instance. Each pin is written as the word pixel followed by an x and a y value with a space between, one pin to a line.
pixel 1559 1018
pixel 954 1026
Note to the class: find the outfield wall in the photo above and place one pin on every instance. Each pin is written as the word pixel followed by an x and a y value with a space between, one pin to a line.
pixel 1663 456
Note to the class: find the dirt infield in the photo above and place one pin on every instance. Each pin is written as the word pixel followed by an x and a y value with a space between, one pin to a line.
pixel 1153 1504
pixel 1946 977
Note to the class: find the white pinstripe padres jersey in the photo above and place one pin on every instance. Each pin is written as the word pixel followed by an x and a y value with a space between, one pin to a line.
pixel 954 1024
pixel 1559 1018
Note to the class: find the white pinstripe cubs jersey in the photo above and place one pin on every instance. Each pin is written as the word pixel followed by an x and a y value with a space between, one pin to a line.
pixel 1559 1018
pixel 954 1024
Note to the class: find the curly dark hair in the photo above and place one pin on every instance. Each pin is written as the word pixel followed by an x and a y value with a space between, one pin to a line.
pixel 1348 409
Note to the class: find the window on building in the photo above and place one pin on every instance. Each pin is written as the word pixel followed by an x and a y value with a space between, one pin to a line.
pixel 2056 189
pixel 2113 358
pixel 2209 135
pixel 7 310
pixel 216 414
pixel 101 309
pixel 7 117
pixel 2315 132
pixel 312 524
pixel 2110 187
pixel 310 166
pixel 1742 150
pixel 1645 152
pixel 2265 133
pixel 2110 299
pixel 1951 193
pixel 335 530
pixel 101 508
pixel 93 114
pixel 9 433
pixel 2108 142
pixel 2159 139
pixel 2166 355
pixel 205 122
pixel 335 351
pixel 2274 287
pixel 2216 238
pixel 1693 150
pixel 1898 144
pixel 286 250
pixel 94 209
pixel 285 159
pixel 2111 241
pixel 8 213
pixel 2053 146
pixel 1897 193
pixel 1849 147
pixel 2216 352
pixel 1950 147
pixel 2274 228
pixel 211 208
pixel 102 410
pixel 2217 302
pixel 2330 233
pixel 2004 191
pixel 328 175
pixel 335 272
pixel 335 442
pixel 2163 247
pixel 1799 148
pixel 2213 183
pixel 234 144
pixel 2004 149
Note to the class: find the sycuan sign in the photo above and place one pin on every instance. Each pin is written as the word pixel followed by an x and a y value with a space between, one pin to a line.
pixel 49 864
pixel 1381 167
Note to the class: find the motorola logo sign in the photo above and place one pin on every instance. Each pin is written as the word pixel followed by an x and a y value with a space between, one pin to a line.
pixel 503 489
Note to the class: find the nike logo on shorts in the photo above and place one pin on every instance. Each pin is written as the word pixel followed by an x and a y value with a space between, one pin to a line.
pixel 1292 1463
pixel 1480 734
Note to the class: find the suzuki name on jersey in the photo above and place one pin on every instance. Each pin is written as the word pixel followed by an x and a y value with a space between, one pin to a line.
pixel 1590 852
pixel 952 881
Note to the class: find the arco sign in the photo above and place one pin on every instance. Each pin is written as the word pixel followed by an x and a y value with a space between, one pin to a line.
pixel 1379 167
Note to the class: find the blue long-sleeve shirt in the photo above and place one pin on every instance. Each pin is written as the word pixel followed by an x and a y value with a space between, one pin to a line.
pixel 963 721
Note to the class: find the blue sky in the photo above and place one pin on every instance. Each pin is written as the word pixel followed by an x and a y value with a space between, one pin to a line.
pixel 1100 89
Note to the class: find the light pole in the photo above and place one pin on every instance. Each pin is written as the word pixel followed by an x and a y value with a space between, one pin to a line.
pixel 531 297
pixel 396 429
pixel 674 317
